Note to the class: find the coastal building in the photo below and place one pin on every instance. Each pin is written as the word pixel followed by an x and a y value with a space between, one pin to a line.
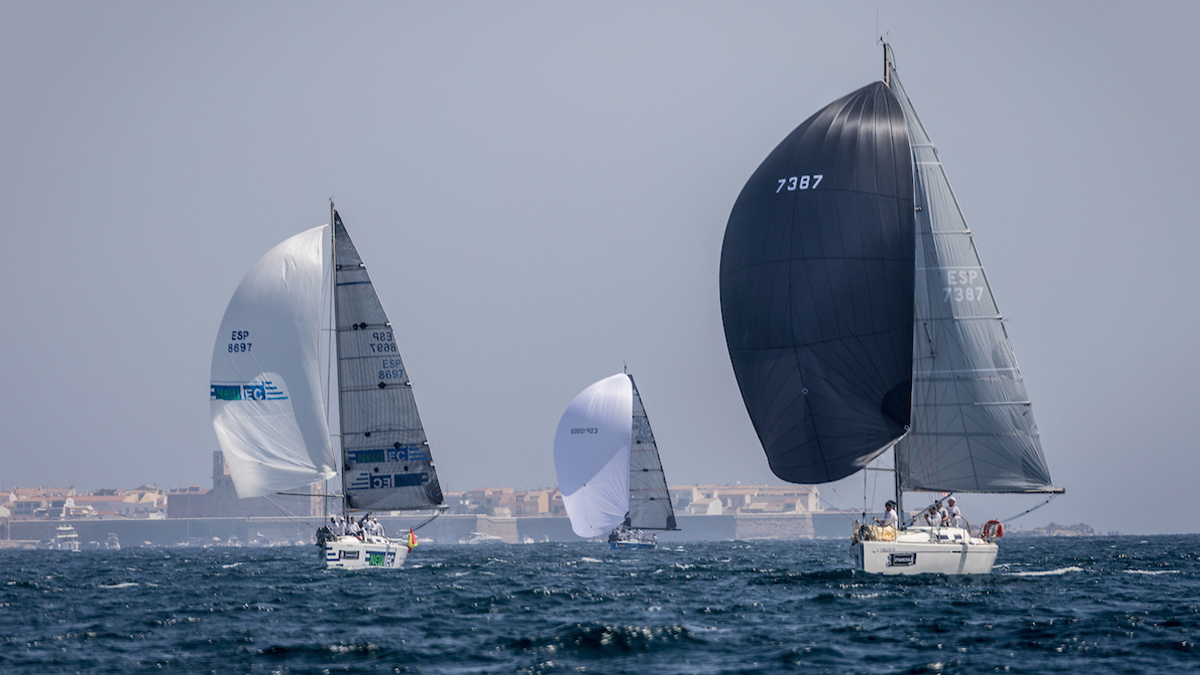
pixel 40 502
pixel 745 499
pixel 222 500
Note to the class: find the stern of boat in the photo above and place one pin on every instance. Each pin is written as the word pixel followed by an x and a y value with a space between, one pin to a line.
pixel 374 553
pixel 922 550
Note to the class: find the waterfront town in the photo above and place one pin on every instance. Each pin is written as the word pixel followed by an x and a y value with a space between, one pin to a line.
pixel 199 516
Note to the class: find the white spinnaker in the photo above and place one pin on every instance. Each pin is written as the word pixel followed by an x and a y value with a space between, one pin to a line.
pixel 591 455
pixel 266 391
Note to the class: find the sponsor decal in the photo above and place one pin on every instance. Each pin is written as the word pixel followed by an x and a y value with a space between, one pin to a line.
pixel 348 555
pixel 374 481
pixel 404 453
pixel 901 559
pixel 376 558
pixel 254 391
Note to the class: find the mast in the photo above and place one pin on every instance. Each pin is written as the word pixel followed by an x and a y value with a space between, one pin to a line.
pixel 337 346
pixel 887 78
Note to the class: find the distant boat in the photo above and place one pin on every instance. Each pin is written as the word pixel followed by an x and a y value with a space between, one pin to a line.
pixel 609 471
pixel 859 319
pixel 270 406
pixel 65 539
pixel 112 543
pixel 482 538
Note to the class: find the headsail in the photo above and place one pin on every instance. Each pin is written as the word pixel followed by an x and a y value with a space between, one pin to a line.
pixel 266 388
pixel 816 289
pixel 386 458
pixel 591 455
pixel 972 423
pixel 649 500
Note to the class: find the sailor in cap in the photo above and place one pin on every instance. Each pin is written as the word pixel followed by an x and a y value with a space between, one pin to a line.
pixel 890 519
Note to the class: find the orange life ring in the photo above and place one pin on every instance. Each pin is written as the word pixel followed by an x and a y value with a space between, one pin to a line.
pixel 993 529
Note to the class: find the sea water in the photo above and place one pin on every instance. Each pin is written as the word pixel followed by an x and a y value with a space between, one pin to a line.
pixel 1053 605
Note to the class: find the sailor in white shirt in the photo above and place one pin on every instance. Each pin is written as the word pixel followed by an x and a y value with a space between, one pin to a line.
pixel 955 516
pixel 889 517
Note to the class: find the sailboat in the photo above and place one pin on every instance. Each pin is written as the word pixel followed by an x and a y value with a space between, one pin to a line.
pixel 271 406
pixel 859 320
pixel 609 471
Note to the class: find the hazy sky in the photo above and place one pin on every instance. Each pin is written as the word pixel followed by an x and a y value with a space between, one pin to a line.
pixel 540 191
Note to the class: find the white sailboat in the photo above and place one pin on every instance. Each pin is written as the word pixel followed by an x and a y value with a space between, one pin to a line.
pixel 859 319
pixel 271 408
pixel 608 467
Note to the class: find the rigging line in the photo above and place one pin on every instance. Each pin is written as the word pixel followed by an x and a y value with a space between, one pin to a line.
pixel 864 509
pixel 841 511
pixel 286 514
pixel 429 520
pixel 1027 511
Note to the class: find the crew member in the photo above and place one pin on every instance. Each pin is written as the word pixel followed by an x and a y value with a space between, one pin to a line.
pixel 954 516
pixel 890 519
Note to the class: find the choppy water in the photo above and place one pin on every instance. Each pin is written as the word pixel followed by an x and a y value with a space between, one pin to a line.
pixel 1095 605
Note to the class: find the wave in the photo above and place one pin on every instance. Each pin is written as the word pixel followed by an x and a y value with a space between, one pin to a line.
pixel 1046 573
pixel 1151 572
pixel 610 639
pixel 839 574
pixel 126 584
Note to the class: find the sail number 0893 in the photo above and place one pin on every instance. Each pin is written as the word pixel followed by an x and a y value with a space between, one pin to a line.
pixel 799 183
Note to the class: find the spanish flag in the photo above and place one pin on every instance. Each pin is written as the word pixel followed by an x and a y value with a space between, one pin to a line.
pixel 412 539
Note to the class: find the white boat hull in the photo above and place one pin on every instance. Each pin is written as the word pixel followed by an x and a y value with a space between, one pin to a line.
pixel 374 552
pixel 925 550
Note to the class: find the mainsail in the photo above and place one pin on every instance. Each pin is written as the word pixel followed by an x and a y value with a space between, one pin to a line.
pixel 649 500
pixel 267 398
pixel 817 287
pixel 386 459
pixel 265 389
pixel 972 427
pixel 591 455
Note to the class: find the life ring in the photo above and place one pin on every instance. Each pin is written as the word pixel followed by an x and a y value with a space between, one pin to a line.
pixel 993 529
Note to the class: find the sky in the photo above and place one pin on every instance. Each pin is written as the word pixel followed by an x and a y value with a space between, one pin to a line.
pixel 540 192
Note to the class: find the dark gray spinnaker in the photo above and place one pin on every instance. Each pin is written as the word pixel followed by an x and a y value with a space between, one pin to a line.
pixel 972 427
pixel 817 273
pixel 811 290
pixel 386 464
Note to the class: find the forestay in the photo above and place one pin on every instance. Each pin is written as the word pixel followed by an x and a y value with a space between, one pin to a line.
pixel 649 500
pixel 972 422
pixel 387 463
pixel 265 390
pixel 591 455
pixel 817 286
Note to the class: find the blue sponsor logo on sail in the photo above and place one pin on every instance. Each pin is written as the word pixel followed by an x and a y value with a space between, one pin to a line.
pixel 406 453
pixel 255 391
pixel 375 481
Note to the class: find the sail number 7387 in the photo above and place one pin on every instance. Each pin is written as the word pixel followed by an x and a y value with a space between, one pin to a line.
pixel 962 286
pixel 799 183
